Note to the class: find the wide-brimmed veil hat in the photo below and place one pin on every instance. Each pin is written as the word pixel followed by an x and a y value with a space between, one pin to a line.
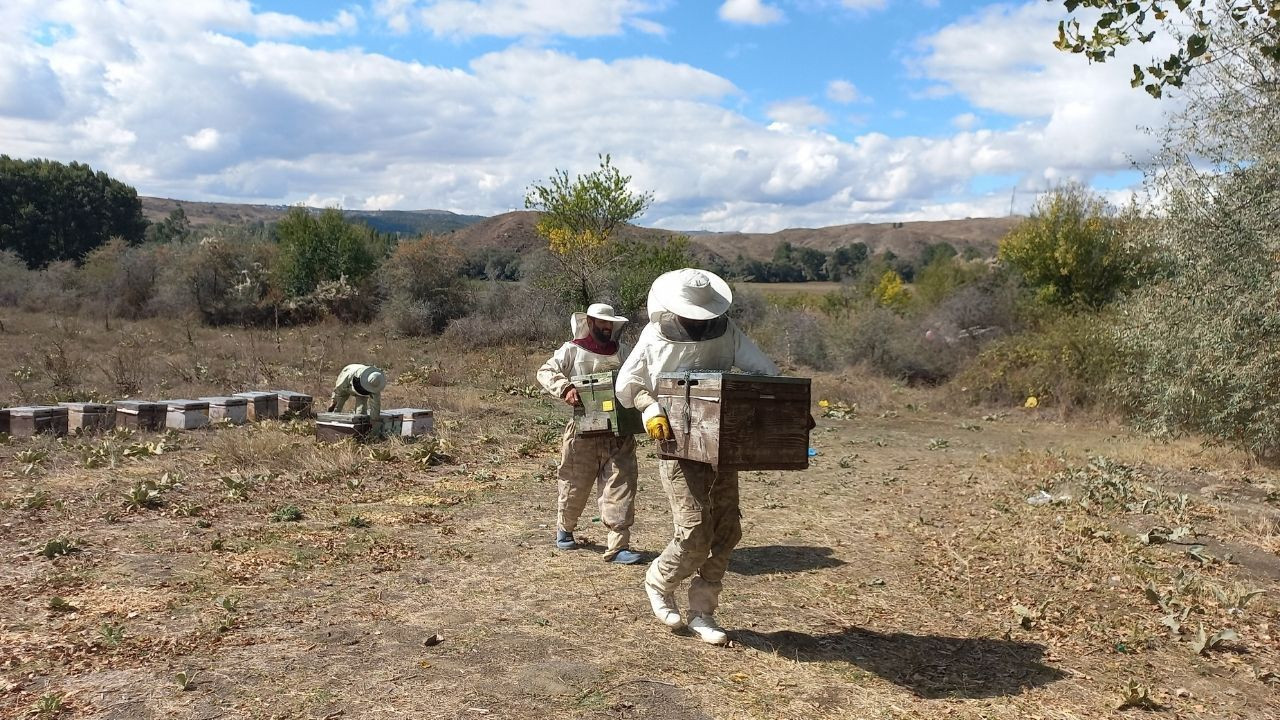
pixel 599 311
pixel 690 293
pixel 372 379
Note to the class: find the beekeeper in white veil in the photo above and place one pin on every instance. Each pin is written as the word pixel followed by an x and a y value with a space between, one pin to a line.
pixel 689 330
pixel 363 384
pixel 604 462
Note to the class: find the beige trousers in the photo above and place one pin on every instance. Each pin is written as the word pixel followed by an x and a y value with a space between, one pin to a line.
pixel 607 465
pixel 708 525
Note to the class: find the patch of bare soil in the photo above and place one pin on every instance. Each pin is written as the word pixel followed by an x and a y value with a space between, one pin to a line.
pixel 904 575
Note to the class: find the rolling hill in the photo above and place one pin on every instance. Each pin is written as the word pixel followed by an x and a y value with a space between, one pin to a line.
pixel 516 230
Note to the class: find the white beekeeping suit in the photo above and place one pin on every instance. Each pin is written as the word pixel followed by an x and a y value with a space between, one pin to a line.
pixel 605 462
pixel 365 384
pixel 688 330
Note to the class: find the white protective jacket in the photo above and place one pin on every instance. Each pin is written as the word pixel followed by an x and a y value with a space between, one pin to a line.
pixel 656 352
pixel 570 360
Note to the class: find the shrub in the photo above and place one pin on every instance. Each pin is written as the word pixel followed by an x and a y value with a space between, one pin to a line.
pixel 512 314
pixel 227 279
pixel 892 344
pixel 1067 362
pixel 1201 344
pixel 424 286
pixel 15 278
pixel 795 337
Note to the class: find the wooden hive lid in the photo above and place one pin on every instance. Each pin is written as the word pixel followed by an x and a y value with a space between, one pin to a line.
pixel 139 405
pixel 408 413
pixel 37 411
pixel 257 394
pixel 226 401
pixel 713 375
pixel 290 394
pixel 336 418
pixel 187 404
pixel 85 407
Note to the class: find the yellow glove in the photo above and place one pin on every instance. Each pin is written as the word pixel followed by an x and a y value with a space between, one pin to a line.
pixel 659 428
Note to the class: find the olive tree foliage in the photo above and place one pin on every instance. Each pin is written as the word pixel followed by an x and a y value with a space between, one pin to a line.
pixel 579 217
pixel 1205 30
pixel 1073 249
pixel 1201 344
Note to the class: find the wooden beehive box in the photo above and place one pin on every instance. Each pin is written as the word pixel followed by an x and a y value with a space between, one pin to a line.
pixel 140 414
pixel 414 422
pixel 332 427
pixel 234 410
pixel 392 424
pixel 261 405
pixel 736 422
pixel 89 417
pixel 602 414
pixel 187 414
pixel 294 404
pixel 32 420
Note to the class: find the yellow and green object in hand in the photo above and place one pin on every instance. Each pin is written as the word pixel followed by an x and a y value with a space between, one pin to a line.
pixel 658 428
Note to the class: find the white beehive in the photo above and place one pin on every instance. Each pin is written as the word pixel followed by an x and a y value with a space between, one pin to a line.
pixel 234 410
pixel 187 414
pixel 89 417
pixel 262 405
pixel 414 422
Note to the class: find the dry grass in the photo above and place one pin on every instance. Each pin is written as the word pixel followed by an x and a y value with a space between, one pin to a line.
pixel 903 576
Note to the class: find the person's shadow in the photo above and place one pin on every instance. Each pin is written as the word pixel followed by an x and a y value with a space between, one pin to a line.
pixel 931 666
pixel 765 559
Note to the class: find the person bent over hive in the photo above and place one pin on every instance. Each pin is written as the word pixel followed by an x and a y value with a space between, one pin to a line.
pixel 365 383
pixel 606 462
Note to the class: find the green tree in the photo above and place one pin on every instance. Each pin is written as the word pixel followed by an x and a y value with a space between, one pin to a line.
pixel 50 211
pixel 174 228
pixel 640 263
pixel 846 261
pixel 316 249
pixel 1072 250
pixel 579 217
pixel 1205 32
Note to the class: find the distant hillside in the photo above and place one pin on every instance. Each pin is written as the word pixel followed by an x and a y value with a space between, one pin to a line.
pixel 905 239
pixel 409 222
pixel 516 230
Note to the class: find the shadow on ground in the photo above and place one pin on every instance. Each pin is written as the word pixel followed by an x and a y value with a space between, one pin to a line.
pixel 765 559
pixel 930 666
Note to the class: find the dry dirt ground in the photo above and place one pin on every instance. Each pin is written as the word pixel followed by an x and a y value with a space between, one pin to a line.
pixel 904 575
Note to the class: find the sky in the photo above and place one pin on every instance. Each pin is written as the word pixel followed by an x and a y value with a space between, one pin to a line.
pixel 751 115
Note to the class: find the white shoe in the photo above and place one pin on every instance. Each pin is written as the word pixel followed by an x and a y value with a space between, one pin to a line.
pixel 664 606
pixel 707 630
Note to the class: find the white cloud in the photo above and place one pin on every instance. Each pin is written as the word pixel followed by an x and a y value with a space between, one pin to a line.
pixel 163 96
pixel 797 113
pixel 842 91
pixel 965 121
pixel 864 5
pixel 749 12
pixel 381 202
pixel 518 18
pixel 205 139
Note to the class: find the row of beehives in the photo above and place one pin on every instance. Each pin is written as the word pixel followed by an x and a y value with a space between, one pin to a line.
pixel 235 409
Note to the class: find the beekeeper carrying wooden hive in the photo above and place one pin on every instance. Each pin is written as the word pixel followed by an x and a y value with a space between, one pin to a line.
pixel 689 329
